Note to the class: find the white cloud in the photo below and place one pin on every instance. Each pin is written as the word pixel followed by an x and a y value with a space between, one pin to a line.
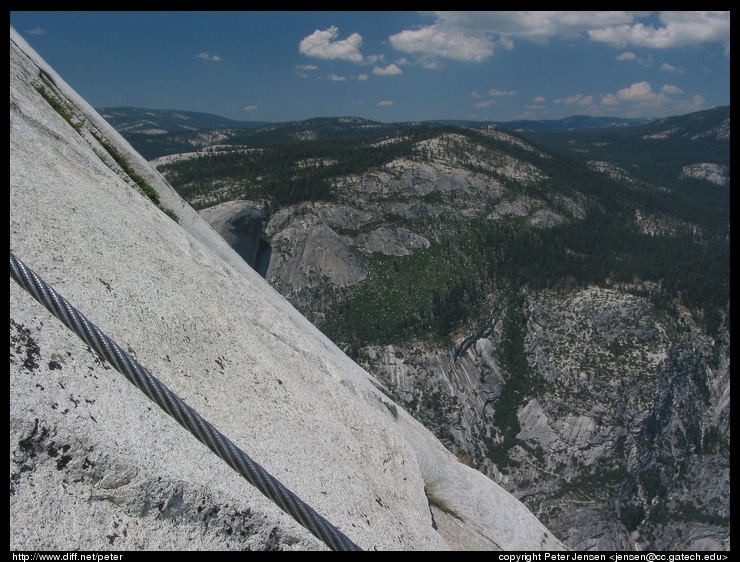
pixel 206 56
pixel 36 31
pixel 642 100
pixel 375 59
pixel 671 90
pixel 674 106
pixel 475 94
pixel 250 108
pixel 698 101
pixel 303 69
pixel 506 43
pixel 487 103
pixel 336 78
pixel 430 62
pixel 609 99
pixel 577 99
pixel 632 57
pixel 389 70
pixel 472 35
pixel 436 41
pixel 640 92
pixel 540 99
pixel 385 103
pixel 495 92
pixel 688 105
pixel 324 45
pixel 362 77
pixel 627 56
pixel 535 26
pixel 677 29
pixel 665 67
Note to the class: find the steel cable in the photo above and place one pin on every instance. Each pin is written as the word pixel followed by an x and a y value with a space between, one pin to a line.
pixel 143 379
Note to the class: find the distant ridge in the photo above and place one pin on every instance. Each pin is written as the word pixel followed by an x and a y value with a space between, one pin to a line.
pixel 152 121
pixel 133 120
pixel 567 123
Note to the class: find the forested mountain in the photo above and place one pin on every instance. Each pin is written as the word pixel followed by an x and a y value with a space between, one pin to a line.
pixel 688 146
pixel 554 306
pixel 156 132
pixel 162 121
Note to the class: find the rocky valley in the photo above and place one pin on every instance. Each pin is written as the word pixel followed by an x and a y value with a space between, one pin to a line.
pixel 558 318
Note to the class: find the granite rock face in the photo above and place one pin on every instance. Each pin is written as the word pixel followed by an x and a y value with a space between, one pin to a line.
pixel 622 441
pixel 240 224
pixel 632 415
pixel 95 465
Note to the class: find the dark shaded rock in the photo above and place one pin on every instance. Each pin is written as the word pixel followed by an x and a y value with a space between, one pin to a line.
pixel 240 224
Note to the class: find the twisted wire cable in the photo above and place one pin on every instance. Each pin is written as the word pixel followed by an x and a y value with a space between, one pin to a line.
pixel 143 379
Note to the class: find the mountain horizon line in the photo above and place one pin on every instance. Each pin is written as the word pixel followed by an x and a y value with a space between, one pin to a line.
pixel 575 120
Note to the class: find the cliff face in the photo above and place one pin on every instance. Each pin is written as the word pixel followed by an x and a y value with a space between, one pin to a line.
pixel 631 417
pixel 619 436
pixel 240 224
pixel 94 464
pixel 623 436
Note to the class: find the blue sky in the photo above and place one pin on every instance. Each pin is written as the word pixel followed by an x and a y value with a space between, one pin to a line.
pixel 390 66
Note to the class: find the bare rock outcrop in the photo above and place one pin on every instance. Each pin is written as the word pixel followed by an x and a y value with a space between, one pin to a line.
pixel 240 224
pixel 95 465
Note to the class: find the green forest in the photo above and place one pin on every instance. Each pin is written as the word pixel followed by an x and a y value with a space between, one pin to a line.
pixel 285 173
pixel 432 291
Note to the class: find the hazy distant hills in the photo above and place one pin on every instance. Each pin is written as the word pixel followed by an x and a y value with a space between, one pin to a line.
pixel 162 121
pixel 668 147
pixel 565 124
pixel 711 125
pixel 156 132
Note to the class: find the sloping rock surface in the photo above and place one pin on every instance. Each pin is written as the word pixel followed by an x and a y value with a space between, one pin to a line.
pixel 95 465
